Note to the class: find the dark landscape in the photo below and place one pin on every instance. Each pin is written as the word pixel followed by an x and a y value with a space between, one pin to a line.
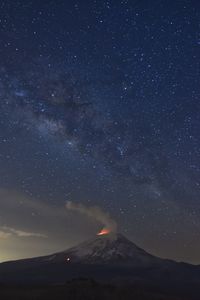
pixel 90 290
pixel 108 266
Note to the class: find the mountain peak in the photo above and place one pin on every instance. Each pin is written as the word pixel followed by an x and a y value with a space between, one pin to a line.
pixel 108 248
pixel 112 248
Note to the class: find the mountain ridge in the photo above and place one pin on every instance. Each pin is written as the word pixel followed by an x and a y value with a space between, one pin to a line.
pixel 108 248
pixel 107 258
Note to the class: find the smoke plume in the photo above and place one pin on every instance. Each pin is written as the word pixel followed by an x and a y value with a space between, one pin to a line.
pixel 96 213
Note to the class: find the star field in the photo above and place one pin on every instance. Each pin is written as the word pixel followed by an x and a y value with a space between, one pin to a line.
pixel 99 104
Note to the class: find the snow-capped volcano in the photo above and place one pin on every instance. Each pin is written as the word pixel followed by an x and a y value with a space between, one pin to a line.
pixel 108 257
pixel 107 248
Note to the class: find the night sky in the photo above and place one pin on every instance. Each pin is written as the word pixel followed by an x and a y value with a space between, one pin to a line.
pixel 100 105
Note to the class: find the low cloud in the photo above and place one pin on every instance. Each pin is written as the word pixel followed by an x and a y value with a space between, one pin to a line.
pixel 4 235
pixel 6 232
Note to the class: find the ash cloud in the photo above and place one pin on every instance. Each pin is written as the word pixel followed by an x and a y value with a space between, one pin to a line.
pixel 96 213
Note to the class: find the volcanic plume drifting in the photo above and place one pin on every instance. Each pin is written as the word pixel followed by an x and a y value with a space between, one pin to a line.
pixel 109 225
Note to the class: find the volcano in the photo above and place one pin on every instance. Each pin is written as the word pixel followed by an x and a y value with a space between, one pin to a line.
pixel 106 249
pixel 107 258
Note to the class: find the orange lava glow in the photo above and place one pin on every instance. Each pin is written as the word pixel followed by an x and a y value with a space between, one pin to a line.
pixel 103 231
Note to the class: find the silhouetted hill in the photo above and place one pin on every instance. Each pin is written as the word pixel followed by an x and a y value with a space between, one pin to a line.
pixel 86 289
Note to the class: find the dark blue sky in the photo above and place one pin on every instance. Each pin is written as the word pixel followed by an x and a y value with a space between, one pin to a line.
pixel 100 106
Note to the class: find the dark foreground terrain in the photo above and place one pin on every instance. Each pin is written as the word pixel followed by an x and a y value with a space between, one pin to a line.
pixel 105 267
pixel 84 289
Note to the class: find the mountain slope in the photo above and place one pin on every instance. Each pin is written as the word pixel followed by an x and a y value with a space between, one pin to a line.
pixel 105 249
pixel 108 258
